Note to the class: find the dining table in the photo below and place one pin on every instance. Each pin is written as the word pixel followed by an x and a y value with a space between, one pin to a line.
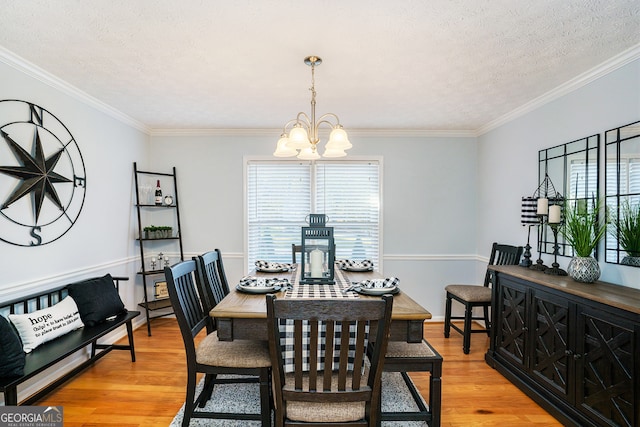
pixel 243 315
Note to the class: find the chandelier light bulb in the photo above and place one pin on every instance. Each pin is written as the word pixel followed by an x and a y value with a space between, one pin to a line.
pixel 308 154
pixel 339 138
pixel 283 149
pixel 298 137
pixel 333 152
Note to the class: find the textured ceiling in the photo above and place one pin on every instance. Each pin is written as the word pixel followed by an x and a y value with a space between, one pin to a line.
pixel 409 64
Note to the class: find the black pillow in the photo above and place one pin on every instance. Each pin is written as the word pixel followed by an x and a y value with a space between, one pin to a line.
pixel 12 357
pixel 97 299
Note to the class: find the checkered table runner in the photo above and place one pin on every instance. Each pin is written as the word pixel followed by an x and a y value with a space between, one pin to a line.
pixel 287 343
pixel 321 291
pixel 314 291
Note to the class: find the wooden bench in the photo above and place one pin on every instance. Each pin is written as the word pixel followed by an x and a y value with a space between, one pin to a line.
pixel 49 353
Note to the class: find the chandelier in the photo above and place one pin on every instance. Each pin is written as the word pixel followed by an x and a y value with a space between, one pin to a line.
pixel 302 140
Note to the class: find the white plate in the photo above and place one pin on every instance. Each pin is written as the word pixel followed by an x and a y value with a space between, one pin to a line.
pixel 272 270
pixel 351 268
pixel 379 291
pixel 255 289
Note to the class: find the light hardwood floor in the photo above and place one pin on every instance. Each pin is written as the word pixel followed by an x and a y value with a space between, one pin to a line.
pixel 116 392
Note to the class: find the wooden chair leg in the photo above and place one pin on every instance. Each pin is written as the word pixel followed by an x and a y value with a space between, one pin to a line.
pixel 447 317
pixel 207 390
pixel 189 404
pixel 265 397
pixel 435 394
pixel 466 336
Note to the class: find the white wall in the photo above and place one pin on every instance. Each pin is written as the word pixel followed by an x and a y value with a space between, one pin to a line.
pixel 101 239
pixel 445 198
pixel 508 157
pixel 429 202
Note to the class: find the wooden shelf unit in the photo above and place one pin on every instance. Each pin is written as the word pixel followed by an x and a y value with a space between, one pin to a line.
pixel 163 304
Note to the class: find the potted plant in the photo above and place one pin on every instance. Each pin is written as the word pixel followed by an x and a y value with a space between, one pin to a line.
pixel 626 228
pixel 583 230
pixel 166 231
pixel 150 232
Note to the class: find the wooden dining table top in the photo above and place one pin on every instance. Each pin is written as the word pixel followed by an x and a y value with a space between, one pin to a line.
pixel 241 305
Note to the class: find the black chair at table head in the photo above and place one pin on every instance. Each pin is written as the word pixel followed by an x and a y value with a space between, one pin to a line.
pixel 296 249
pixel 347 392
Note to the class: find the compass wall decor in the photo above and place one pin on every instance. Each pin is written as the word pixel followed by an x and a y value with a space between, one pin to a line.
pixel 42 175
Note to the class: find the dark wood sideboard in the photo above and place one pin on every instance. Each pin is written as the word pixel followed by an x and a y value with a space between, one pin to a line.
pixel 572 347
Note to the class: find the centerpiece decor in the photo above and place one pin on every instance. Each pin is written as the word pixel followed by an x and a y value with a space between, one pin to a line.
pixel 318 252
pixel 625 226
pixel 583 230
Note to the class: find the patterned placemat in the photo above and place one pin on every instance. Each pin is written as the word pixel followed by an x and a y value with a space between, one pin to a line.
pixel 336 290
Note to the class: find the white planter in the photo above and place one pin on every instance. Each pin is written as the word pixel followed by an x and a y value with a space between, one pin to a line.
pixel 631 260
pixel 584 269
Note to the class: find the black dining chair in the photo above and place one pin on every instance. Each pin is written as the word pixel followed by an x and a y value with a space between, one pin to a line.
pixel 295 249
pixel 248 358
pixel 477 296
pixel 321 375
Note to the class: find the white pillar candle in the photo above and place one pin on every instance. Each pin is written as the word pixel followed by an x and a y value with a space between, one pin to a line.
pixel 554 214
pixel 543 206
pixel 316 258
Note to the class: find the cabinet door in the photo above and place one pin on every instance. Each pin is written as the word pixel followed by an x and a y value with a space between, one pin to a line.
pixel 606 349
pixel 550 349
pixel 511 299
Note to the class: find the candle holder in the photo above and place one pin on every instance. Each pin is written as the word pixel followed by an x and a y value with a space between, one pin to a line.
pixel 555 269
pixel 526 256
pixel 318 252
pixel 539 265
pixel 544 193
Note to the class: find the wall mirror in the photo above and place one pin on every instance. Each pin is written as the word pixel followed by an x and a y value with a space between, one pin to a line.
pixel 573 170
pixel 622 194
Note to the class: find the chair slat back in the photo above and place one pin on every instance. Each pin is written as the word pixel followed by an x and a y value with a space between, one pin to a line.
pixel 208 279
pixel 502 254
pixel 295 249
pixel 221 274
pixel 333 335
pixel 185 300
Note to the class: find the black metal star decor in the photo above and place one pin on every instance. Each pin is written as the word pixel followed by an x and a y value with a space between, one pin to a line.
pixel 44 183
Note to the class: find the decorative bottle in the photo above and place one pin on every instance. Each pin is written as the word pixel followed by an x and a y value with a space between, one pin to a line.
pixel 158 194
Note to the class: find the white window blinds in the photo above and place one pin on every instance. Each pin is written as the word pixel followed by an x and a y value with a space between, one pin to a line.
pixel 349 194
pixel 280 195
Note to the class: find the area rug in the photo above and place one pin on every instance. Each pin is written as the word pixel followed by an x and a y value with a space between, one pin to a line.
pixel 244 398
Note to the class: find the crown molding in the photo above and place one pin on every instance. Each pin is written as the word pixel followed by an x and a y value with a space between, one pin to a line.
pixel 32 70
pixel 275 133
pixel 581 80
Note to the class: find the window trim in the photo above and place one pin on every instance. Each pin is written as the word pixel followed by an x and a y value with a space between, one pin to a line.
pixel 252 158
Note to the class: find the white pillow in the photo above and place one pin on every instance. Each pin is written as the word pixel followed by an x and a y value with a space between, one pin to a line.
pixel 46 324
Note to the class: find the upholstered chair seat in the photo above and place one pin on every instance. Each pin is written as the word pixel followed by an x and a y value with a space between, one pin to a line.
pixel 330 412
pixel 233 354
pixel 471 293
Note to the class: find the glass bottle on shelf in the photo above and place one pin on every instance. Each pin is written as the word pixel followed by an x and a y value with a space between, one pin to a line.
pixel 158 194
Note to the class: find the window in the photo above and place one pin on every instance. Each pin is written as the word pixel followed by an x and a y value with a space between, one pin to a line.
pixel 280 195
